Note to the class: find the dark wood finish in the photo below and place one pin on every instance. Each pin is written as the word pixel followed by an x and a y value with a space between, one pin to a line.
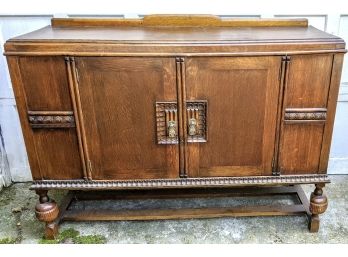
pixel 46 210
pixel 181 96
pixel 331 110
pixel 38 119
pixel 77 115
pixel 117 101
pixel 299 208
pixel 196 121
pixel 38 87
pixel 318 205
pixel 167 122
pixel 180 183
pixel 180 193
pixel 242 94
pixel 45 83
pixel 308 81
pixel 174 41
pixel 300 148
pixel 191 213
pixel 178 21
pixel 305 111
pixel 177 102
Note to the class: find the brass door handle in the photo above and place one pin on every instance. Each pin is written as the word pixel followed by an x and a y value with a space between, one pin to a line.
pixel 192 127
pixel 196 113
pixel 195 126
pixel 171 124
pixel 167 122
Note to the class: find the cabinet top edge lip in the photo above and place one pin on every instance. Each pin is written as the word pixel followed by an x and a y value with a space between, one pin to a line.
pixel 18 40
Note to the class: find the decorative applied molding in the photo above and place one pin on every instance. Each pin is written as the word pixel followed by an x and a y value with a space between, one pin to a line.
pixel 180 182
pixel 197 112
pixel 166 123
pixel 51 119
pixel 305 115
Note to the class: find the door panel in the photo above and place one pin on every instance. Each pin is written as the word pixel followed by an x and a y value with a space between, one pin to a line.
pixel 242 97
pixel 118 97
pixel 305 103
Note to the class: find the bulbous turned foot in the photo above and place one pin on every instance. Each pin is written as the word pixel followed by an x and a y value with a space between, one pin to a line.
pixel 318 205
pixel 46 210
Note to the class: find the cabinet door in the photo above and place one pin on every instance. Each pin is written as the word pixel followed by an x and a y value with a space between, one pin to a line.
pixel 118 97
pixel 241 109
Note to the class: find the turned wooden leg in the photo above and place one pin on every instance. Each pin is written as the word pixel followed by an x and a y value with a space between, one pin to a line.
pixel 47 210
pixel 318 205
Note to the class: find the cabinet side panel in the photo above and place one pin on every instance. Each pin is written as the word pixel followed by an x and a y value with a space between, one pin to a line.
pixel 308 81
pixel 45 83
pixel 19 93
pixel 304 113
pixel 57 153
pixel 331 110
pixel 43 100
pixel 300 148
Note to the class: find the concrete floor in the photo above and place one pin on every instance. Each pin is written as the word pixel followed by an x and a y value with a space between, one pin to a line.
pixel 17 221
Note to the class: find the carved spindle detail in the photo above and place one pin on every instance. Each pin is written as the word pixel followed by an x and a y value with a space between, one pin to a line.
pixel 46 210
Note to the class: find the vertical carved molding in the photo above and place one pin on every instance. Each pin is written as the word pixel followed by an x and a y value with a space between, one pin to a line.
pixel 283 78
pixel 76 101
pixel 182 126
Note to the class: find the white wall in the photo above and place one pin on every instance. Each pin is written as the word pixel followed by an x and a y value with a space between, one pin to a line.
pixel 18 17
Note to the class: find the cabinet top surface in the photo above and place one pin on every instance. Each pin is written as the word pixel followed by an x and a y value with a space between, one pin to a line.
pixel 167 35
pixel 129 34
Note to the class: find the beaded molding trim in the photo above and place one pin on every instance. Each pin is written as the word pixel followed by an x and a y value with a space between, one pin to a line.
pixel 178 183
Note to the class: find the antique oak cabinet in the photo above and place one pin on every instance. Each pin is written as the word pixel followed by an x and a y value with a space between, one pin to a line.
pixel 183 106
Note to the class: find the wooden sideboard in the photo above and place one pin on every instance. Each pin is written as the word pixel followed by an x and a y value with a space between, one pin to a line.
pixel 176 102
